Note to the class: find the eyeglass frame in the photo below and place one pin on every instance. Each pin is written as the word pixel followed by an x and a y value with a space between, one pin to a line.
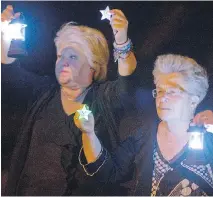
pixel 154 91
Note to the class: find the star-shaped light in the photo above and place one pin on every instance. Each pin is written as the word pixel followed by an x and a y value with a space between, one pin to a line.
pixel 84 113
pixel 105 14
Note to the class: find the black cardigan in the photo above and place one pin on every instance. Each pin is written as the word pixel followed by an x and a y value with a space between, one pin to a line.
pixel 108 100
pixel 131 164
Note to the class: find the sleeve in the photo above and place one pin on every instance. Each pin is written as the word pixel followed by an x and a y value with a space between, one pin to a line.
pixel 208 146
pixel 111 167
pixel 22 83
pixel 121 92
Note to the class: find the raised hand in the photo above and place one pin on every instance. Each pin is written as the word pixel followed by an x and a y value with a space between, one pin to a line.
pixel 119 24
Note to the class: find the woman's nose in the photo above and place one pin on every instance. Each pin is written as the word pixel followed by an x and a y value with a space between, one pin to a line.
pixel 65 64
pixel 164 99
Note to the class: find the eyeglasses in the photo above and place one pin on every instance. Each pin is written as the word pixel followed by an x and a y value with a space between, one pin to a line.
pixel 170 92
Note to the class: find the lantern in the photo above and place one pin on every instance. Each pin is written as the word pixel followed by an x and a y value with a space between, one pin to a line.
pixel 16 33
pixel 196 137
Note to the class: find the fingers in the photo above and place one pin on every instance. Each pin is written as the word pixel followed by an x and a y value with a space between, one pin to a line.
pixel 9 7
pixel 83 124
pixel 17 15
pixel 8 14
pixel 118 17
pixel 117 12
pixel 118 22
pixel 197 120
pixel 205 117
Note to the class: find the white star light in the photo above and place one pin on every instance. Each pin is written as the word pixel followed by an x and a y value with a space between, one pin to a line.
pixel 105 14
pixel 83 113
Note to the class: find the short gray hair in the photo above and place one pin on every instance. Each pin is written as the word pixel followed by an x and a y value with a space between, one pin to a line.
pixel 92 42
pixel 194 74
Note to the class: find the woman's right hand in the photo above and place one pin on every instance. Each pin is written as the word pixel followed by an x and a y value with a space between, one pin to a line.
pixel 6 17
pixel 85 125
pixel 91 144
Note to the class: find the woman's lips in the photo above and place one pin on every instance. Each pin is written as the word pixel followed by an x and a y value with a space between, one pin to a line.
pixel 64 71
pixel 164 108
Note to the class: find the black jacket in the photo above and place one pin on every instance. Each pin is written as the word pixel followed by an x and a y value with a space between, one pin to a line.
pixel 131 164
pixel 108 101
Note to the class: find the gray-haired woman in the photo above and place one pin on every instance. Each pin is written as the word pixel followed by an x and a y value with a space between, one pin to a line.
pixel 158 160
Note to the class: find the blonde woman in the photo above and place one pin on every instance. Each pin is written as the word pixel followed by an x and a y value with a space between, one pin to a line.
pixel 45 159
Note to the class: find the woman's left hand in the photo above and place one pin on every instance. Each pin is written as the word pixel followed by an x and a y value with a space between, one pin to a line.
pixel 86 126
pixel 119 25
pixel 204 118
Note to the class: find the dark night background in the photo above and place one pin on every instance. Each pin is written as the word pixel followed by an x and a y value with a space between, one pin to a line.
pixel 155 28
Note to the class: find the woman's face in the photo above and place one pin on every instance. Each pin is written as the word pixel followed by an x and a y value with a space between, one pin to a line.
pixel 72 67
pixel 172 101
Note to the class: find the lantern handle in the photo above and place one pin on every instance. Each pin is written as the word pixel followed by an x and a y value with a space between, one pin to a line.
pixel 22 15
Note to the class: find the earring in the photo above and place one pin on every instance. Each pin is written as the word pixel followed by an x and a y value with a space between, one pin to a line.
pixel 91 68
pixel 192 104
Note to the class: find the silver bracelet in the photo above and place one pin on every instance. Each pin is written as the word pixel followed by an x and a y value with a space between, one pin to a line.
pixel 79 159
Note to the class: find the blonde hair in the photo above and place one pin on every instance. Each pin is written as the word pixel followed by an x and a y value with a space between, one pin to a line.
pixel 92 42
pixel 194 75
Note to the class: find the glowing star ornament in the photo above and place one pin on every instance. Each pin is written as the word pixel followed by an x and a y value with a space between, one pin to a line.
pixel 106 14
pixel 84 112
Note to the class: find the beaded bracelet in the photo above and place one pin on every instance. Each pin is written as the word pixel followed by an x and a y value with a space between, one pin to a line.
pixel 118 52
pixel 122 43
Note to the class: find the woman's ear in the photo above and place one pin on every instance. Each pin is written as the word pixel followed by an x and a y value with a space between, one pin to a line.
pixel 91 68
pixel 195 101
pixel 93 73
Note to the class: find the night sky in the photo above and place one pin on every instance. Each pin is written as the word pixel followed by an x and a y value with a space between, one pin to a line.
pixel 155 28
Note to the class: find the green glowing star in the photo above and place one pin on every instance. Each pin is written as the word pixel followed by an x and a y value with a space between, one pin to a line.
pixel 84 112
